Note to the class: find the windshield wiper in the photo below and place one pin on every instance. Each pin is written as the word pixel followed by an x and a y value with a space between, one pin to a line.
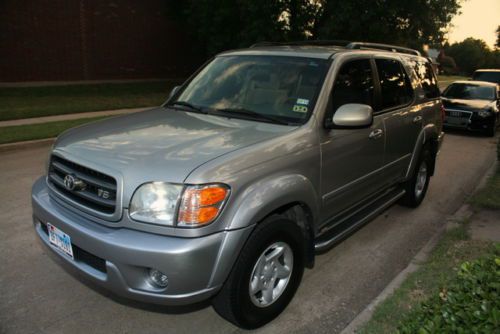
pixel 188 105
pixel 253 114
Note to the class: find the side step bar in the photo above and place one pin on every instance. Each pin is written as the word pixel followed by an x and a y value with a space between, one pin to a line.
pixel 329 239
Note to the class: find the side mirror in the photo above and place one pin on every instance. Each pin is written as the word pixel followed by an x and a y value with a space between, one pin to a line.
pixel 352 115
pixel 173 91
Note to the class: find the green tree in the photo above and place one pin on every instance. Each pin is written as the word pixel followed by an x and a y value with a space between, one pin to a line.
pixel 497 44
pixel 224 24
pixel 470 54
pixel 412 23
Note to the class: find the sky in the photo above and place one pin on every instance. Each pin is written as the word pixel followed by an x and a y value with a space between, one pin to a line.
pixel 479 19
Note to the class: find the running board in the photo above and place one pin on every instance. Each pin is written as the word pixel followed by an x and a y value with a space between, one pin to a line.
pixel 339 232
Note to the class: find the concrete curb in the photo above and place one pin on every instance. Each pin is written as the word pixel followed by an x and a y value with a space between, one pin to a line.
pixel 25 144
pixel 463 213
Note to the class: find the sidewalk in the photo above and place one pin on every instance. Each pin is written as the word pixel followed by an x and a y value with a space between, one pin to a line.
pixel 46 119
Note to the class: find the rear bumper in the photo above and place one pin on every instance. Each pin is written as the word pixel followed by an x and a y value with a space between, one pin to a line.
pixel 119 259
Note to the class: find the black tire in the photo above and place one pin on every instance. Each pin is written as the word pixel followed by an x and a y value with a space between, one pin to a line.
pixel 412 198
pixel 233 302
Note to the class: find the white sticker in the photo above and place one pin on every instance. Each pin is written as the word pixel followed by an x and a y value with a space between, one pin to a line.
pixel 303 102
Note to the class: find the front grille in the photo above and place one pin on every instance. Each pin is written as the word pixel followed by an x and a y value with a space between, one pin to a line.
pixel 82 255
pixel 99 190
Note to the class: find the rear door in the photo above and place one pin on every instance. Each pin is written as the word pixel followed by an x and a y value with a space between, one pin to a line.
pixel 351 158
pixel 401 117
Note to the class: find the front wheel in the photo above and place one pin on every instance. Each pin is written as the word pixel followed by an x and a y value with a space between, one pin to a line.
pixel 265 276
pixel 416 186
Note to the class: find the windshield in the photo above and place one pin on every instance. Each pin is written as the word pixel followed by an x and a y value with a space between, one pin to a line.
pixel 487 76
pixel 469 92
pixel 266 88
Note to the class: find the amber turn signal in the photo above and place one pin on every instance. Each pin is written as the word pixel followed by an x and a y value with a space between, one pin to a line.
pixel 201 205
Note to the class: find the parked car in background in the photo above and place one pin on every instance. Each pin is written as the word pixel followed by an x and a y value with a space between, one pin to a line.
pixel 263 158
pixel 472 105
pixel 489 75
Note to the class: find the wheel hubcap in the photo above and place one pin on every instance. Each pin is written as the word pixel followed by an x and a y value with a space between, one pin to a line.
pixel 421 179
pixel 271 274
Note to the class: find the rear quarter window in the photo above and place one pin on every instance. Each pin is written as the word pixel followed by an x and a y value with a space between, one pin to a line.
pixel 426 78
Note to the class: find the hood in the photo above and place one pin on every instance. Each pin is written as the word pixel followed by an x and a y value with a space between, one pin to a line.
pixel 469 105
pixel 160 144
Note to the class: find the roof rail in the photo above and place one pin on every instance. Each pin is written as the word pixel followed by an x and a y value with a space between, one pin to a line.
pixel 341 43
pixel 385 47
pixel 344 44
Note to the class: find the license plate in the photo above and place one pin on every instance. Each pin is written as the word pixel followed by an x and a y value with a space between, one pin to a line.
pixel 456 121
pixel 60 240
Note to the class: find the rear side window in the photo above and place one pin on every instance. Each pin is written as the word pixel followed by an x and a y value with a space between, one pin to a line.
pixel 427 79
pixel 395 86
pixel 353 84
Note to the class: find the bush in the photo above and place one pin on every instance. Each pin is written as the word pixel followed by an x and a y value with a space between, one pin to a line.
pixel 469 304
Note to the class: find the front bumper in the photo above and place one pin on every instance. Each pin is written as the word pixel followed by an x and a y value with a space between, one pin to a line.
pixel 472 123
pixel 119 259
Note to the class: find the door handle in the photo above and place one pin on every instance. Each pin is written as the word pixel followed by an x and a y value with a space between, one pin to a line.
pixel 375 134
pixel 417 119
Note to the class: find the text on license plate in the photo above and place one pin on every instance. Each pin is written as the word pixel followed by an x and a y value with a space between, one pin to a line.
pixel 60 240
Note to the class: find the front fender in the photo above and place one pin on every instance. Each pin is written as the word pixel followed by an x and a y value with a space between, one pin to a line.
pixel 265 196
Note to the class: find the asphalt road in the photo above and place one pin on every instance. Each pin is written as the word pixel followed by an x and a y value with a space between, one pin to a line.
pixel 37 296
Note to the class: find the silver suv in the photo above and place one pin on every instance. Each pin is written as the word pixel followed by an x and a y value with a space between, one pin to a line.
pixel 263 158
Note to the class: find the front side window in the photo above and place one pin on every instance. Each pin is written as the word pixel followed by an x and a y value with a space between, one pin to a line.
pixel 353 84
pixel 273 87
pixel 395 86
pixel 470 92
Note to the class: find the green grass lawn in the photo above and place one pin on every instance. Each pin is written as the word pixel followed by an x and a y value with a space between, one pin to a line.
pixel 445 80
pixel 27 102
pixel 489 196
pixel 433 275
pixel 11 134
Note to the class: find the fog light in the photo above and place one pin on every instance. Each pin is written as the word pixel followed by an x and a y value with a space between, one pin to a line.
pixel 158 278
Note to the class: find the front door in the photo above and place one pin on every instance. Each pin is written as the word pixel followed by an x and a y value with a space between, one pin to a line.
pixel 351 158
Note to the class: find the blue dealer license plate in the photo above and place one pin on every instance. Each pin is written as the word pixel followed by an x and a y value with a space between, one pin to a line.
pixel 60 240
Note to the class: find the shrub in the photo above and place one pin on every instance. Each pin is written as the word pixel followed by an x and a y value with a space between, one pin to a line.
pixel 469 304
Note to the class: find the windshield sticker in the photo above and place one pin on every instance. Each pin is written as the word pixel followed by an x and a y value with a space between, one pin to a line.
pixel 299 108
pixel 303 102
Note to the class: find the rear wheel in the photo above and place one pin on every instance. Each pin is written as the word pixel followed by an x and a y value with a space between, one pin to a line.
pixel 416 186
pixel 265 276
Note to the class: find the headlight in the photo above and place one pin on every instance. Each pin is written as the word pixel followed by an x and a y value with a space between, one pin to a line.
pixel 159 202
pixel 484 114
pixel 155 203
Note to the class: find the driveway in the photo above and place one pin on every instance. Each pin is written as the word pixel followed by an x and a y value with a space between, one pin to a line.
pixel 36 295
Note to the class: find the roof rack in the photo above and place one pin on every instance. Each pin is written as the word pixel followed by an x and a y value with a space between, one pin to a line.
pixel 385 47
pixel 340 43
pixel 344 44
